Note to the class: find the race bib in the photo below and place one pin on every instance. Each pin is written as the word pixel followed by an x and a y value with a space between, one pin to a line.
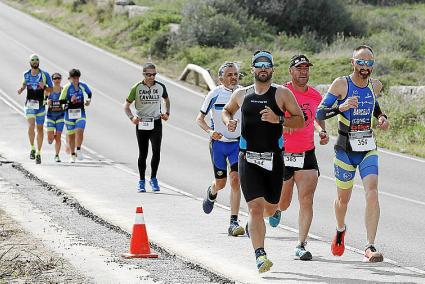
pixel 264 160
pixel 74 113
pixel 146 123
pixel 362 141
pixel 56 106
pixel 295 160
pixel 33 104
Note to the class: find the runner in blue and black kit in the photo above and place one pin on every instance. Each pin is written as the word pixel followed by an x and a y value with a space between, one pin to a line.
pixel 354 99
pixel 75 115
pixel 260 158
pixel 55 115
pixel 38 84
pixel 224 145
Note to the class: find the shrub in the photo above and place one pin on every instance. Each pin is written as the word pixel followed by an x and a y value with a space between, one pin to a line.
pixel 307 42
pixel 220 23
pixel 324 17
pixel 160 44
pixel 143 28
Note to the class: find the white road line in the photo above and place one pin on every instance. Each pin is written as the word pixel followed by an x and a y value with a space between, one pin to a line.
pixel 172 188
pixel 15 106
pixel 123 60
pixel 163 78
pixel 202 138
pixel 391 153
pixel 381 192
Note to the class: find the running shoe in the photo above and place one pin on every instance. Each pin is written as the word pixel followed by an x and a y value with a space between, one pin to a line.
pixel 72 159
pixel 154 184
pixel 235 229
pixel 32 155
pixel 141 187
pixel 337 246
pixel 301 253
pixel 371 255
pixel 208 204
pixel 275 219
pixel 57 159
pixel 263 264
pixel 38 159
pixel 80 155
pixel 246 230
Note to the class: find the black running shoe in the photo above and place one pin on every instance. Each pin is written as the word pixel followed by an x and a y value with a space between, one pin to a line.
pixel 38 159
pixel 32 154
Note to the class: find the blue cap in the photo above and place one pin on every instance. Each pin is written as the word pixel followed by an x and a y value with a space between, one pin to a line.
pixel 262 54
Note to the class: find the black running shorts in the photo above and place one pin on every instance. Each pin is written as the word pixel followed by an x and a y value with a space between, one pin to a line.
pixel 258 182
pixel 310 163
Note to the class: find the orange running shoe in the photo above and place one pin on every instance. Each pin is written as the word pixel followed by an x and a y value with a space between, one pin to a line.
pixel 371 255
pixel 337 246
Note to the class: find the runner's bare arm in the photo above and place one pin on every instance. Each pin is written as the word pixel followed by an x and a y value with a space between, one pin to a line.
pixel 22 88
pixel 200 119
pixel 232 106
pixel 129 114
pixel 166 115
pixel 286 101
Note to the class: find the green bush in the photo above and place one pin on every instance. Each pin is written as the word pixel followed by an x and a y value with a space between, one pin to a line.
pixel 307 42
pixel 161 43
pixel 324 17
pixel 221 24
pixel 145 27
pixel 387 2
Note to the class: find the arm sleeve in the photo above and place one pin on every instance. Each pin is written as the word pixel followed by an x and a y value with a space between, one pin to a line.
pixel 49 82
pixel 132 95
pixel 87 90
pixel 64 94
pixel 164 93
pixel 377 112
pixel 326 108
pixel 208 103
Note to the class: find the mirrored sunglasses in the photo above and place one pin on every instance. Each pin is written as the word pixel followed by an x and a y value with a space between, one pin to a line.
pixel 262 64
pixel 362 62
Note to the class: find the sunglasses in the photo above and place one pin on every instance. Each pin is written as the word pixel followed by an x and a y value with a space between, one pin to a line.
pixel 265 65
pixel 34 60
pixel 149 74
pixel 362 62
pixel 57 78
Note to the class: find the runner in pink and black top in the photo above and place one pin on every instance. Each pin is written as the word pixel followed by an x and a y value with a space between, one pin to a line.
pixel 300 160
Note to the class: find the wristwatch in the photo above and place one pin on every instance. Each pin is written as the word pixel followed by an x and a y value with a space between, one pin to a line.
pixel 281 119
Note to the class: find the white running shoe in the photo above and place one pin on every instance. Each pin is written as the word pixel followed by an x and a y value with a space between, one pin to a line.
pixel 72 159
pixel 79 155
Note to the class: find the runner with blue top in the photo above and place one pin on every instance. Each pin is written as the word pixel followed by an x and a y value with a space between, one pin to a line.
pixel 353 99
pixel 55 115
pixel 74 94
pixel 224 145
pixel 38 83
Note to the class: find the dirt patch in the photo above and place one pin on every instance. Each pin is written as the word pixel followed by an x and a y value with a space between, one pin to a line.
pixel 24 259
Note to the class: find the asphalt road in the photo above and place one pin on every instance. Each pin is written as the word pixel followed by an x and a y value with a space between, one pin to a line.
pixel 185 162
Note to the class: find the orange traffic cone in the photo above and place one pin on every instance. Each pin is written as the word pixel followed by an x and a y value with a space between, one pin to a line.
pixel 139 245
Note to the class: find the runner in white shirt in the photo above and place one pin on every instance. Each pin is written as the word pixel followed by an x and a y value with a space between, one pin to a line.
pixel 224 145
